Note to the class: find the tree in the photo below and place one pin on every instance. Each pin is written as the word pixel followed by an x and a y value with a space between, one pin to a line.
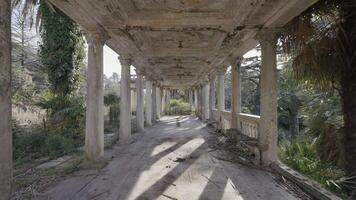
pixel 28 78
pixel 290 102
pixel 250 84
pixel 322 41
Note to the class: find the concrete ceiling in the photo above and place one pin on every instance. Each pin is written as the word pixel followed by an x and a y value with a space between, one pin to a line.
pixel 180 41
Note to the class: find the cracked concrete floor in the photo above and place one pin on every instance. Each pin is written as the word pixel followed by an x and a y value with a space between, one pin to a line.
pixel 169 162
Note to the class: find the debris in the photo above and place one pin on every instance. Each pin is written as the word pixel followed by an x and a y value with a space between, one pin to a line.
pixel 169 197
pixel 178 159
pixel 211 181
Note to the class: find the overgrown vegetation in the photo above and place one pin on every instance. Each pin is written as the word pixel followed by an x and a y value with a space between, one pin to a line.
pixel 322 45
pixel 179 107
pixel 112 101
pixel 61 63
pixel 302 155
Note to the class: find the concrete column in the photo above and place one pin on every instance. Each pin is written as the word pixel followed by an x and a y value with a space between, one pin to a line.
pixel 168 106
pixel 203 102
pixel 158 100
pixel 195 100
pixel 211 96
pixel 94 126
pixel 139 102
pixel 206 101
pixel 200 102
pixel 154 103
pixel 236 92
pixel 163 101
pixel 148 107
pixel 221 89
pixel 125 105
pixel 268 123
pixel 191 100
pixel 5 101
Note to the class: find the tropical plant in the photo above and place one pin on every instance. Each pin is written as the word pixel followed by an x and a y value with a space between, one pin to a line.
pixel 302 156
pixel 322 42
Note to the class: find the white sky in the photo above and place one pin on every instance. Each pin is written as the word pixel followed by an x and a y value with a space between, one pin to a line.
pixel 112 63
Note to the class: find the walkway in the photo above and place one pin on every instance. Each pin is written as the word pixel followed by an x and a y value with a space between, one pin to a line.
pixel 169 162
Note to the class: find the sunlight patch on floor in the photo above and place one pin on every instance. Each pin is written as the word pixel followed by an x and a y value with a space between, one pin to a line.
pixel 162 147
pixel 162 167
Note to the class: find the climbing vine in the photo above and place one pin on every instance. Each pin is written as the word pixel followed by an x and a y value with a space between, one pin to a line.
pixel 62 50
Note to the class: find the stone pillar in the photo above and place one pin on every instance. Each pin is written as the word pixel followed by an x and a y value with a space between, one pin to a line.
pixel 158 99
pixel 221 89
pixel 5 101
pixel 211 96
pixel 125 105
pixel 191 100
pixel 163 101
pixel 148 94
pixel 195 100
pixel 154 103
pixel 236 92
pixel 168 105
pixel 203 102
pixel 206 101
pixel 268 137
pixel 94 125
pixel 139 102
pixel 200 101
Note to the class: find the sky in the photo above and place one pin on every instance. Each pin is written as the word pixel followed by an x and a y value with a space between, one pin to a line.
pixel 112 63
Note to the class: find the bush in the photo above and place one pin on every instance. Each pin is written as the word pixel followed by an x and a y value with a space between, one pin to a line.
pixel 302 156
pixel 62 130
pixel 179 107
pixel 57 145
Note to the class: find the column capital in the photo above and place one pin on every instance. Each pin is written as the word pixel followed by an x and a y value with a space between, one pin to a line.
pixel 268 35
pixel 96 37
pixel 221 70
pixel 205 79
pixel 139 72
pixel 212 76
pixel 234 61
pixel 125 61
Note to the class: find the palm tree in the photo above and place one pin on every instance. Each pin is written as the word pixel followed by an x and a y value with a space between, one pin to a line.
pixel 322 41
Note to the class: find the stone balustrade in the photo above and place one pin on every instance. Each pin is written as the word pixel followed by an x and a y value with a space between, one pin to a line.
pixel 249 125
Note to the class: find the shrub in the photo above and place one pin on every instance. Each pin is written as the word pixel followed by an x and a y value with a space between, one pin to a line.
pixel 178 106
pixel 57 145
pixel 302 155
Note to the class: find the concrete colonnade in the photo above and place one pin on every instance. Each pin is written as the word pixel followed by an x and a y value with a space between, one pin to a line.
pixel 94 126
pixel 140 119
pixel 211 96
pixel 235 92
pixel 154 102
pixel 125 105
pixel 148 103
pixel 268 138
